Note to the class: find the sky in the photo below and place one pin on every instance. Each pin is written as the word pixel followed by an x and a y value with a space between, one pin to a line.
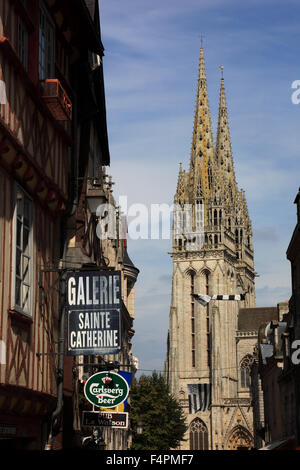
pixel 151 60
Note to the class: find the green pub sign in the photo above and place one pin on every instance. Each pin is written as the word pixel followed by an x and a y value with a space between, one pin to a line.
pixel 106 389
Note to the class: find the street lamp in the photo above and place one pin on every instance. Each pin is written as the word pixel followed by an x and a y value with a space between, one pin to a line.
pixel 95 195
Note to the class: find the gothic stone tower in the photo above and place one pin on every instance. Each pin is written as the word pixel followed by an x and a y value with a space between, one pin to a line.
pixel 202 365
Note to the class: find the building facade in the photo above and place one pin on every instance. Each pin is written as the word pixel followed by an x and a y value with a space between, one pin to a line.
pixel 212 255
pixel 277 365
pixel 53 154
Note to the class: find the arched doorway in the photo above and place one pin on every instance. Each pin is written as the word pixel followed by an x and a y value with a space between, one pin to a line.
pixel 240 439
pixel 198 435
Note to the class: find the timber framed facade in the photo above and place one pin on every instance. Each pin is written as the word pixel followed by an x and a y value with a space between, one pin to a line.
pixel 53 150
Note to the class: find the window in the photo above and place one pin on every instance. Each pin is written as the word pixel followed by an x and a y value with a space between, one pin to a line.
pixel 23 43
pixel 206 274
pixel 245 368
pixel 198 435
pixel 23 253
pixel 46 45
pixel 192 280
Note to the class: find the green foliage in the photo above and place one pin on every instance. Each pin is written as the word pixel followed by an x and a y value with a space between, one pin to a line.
pixel 162 417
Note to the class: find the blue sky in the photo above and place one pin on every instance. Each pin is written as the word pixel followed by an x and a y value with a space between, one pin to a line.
pixel 150 70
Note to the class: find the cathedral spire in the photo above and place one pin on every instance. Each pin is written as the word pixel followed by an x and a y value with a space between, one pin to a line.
pixel 223 153
pixel 202 151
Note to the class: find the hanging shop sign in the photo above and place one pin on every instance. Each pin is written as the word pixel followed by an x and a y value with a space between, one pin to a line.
pixel 105 419
pixel 93 304
pixel 106 389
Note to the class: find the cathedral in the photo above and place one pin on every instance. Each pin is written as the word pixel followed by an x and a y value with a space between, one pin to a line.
pixel 208 359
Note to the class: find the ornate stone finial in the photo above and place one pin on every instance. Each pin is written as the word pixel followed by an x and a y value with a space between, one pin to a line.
pixel 222 69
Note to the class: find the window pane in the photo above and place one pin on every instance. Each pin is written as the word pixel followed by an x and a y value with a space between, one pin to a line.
pixel 18 292
pixel 25 241
pixel 26 211
pixel 25 274
pixel 25 298
pixel 19 232
pixel 18 263
pixel 23 251
pixel 46 46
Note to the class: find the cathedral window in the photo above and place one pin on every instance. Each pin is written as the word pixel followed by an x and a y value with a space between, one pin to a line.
pixel 215 217
pixel 198 435
pixel 216 241
pixel 207 318
pixel 236 237
pixel 245 369
pixel 192 290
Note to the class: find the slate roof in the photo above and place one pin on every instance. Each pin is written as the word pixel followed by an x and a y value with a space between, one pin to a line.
pixel 250 319
pixel 127 261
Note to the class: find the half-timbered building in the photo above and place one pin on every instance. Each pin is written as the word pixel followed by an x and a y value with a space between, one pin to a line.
pixel 53 148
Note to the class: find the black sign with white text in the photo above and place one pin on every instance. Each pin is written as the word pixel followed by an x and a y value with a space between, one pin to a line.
pixel 105 419
pixel 93 303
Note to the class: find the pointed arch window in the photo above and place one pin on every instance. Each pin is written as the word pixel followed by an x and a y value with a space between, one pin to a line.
pixel 237 236
pixel 215 217
pixel 220 217
pixel 198 435
pixel 206 277
pixel 245 369
pixel 193 332
pixel 216 241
